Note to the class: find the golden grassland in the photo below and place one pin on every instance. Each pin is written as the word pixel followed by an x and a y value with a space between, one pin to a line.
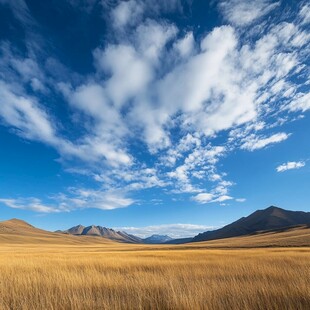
pixel 119 276
pixel 44 270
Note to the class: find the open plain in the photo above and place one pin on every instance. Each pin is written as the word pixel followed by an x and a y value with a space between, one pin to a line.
pixel 52 271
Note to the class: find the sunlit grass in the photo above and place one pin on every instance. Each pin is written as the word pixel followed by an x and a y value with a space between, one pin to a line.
pixel 107 278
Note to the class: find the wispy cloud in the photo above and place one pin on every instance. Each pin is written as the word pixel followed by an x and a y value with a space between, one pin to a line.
pixel 290 165
pixel 32 204
pixel 253 142
pixel 204 198
pixel 305 14
pixel 73 199
pixel 20 10
pixel 243 12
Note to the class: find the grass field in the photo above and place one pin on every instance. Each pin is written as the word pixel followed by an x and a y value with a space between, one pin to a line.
pixel 44 270
pixel 131 277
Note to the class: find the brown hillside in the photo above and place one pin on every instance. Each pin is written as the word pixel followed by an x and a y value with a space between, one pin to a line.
pixel 16 231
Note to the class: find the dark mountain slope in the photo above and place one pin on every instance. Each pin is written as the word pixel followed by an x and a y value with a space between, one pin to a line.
pixel 267 219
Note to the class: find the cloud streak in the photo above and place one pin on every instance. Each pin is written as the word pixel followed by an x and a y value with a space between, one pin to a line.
pixel 290 165
pixel 243 12
pixel 253 142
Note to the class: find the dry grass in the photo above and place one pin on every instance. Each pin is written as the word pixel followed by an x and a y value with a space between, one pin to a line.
pixel 146 277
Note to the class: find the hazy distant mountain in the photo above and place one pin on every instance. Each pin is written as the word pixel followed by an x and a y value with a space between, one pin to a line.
pixel 179 241
pixel 267 219
pixel 103 232
pixel 156 239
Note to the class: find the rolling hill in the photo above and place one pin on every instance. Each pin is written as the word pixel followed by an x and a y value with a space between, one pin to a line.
pixel 16 231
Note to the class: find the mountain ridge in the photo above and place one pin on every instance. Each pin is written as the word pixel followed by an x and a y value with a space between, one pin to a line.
pixel 101 231
pixel 261 220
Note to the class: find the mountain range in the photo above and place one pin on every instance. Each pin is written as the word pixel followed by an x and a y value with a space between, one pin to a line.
pixel 270 220
pixel 108 233
pixel 111 234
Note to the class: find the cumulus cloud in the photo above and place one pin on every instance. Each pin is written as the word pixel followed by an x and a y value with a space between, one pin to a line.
pixel 127 13
pixel 185 46
pixel 290 165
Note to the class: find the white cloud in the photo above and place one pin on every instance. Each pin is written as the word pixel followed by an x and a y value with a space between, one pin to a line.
pixel 98 199
pixel 253 142
pixel 244 12
pixel 211 99
pixel 305 14
pixel 129 73
pixel 240 199
pixel 152 36
pixel 130 13
pixel 32 122
pixel 172 230
pixel 199 157
pixel 126 13
pixel 76 198
pixel 32 204
pixel 223 198
pixel 204 197
pixel 25 115
pixel 185 46
pixel 290 165
pixel 300 102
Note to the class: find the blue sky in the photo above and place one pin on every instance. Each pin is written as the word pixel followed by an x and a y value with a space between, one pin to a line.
pixel 153 116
